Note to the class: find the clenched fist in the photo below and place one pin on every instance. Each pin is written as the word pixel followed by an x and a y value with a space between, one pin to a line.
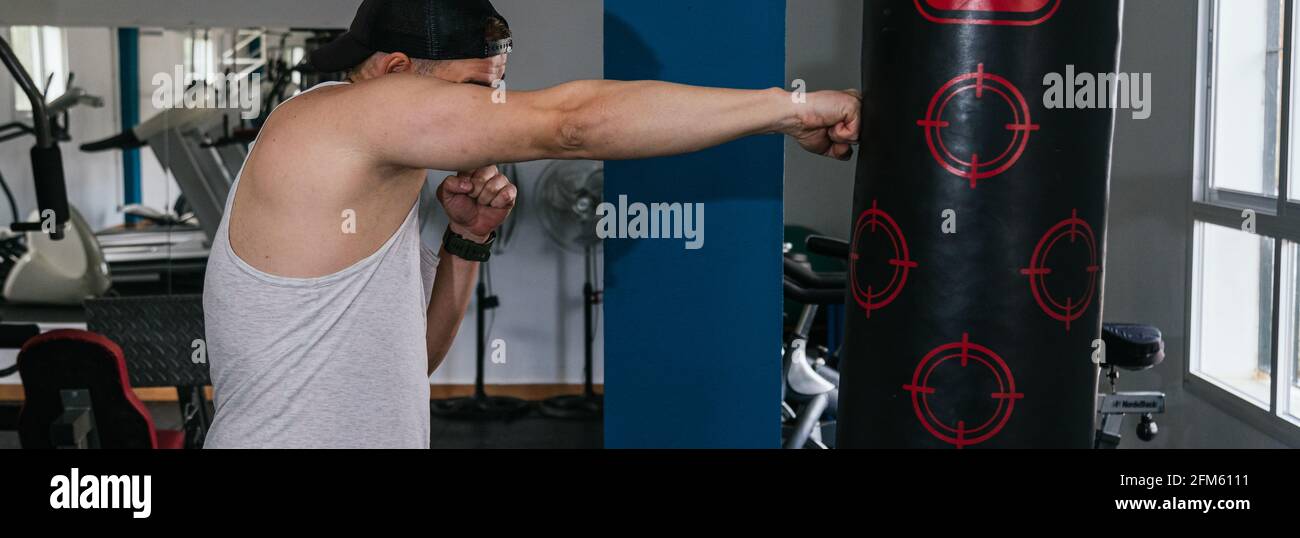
pixel 829 123
pixel 477 202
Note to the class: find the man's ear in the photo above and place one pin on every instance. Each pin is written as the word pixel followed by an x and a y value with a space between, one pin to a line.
pixel 397 62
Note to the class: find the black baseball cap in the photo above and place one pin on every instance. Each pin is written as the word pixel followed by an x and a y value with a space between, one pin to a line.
pixel 421 29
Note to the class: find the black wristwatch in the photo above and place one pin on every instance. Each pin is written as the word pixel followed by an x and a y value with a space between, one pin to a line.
pixel 468 250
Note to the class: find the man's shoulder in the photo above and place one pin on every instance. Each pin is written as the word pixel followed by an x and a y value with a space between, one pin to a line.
pixel 315 114
pixel 366 101
pixel 316 98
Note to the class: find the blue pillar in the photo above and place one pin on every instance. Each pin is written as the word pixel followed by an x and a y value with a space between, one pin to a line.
pixel 692 337
pixel 128 72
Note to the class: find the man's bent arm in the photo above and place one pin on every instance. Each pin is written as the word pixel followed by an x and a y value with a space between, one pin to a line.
pixel 418 122
pixel 452 288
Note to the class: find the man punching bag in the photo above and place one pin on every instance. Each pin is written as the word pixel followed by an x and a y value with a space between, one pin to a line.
pixel 979 224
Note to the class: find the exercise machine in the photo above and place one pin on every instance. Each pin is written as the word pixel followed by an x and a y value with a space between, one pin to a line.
pixel 175 248
pixel 77 396
pixel 55 259
pixel 203 149
pixel 808 395
pixel 39 269
pixel 810 387
pixel 183 141
pixel 47 161
pixel 1133 348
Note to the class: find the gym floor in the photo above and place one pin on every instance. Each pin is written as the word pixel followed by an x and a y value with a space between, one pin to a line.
pixel 529 431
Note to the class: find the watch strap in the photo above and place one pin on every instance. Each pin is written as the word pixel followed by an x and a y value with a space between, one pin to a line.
pixel 465 249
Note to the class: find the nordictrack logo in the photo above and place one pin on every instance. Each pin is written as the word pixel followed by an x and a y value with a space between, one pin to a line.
pixel 108 492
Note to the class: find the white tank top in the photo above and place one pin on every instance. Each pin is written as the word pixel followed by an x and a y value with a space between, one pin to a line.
pixel 337 361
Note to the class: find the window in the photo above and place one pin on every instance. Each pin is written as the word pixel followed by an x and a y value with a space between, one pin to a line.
pixel 1290 396
pixel 1244 319
pixel 1234 274
pixel 200 55
pixel 42 50
pixel 296 58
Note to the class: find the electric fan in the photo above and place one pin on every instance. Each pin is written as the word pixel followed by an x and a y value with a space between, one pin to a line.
pixel 565 201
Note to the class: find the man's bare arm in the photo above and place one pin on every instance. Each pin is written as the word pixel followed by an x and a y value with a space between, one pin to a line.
pixel 452 288
pixel 475 204
pixel 420 122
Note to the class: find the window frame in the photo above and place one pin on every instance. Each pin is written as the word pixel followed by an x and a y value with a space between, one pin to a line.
pixel 19 104
pixel 1278 218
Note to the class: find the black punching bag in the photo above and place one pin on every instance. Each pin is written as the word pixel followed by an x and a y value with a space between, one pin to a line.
pixel 979 220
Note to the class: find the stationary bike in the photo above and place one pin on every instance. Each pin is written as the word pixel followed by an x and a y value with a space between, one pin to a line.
pixel 810 386
pixel 54 258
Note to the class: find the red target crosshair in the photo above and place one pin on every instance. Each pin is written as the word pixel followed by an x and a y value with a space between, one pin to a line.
pixel 975 167
pixel 962 434
pixel 992 12
pixel 868 296
pixel 1073 229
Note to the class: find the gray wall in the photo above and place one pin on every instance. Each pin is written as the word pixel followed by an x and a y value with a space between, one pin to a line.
pixel 1146 277
pixel 823 47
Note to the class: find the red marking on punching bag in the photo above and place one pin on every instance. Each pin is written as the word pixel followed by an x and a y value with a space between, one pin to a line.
pixel 966 353
pixel 983 83
pixel 876 221
pixel 1072 309
pixel 989 12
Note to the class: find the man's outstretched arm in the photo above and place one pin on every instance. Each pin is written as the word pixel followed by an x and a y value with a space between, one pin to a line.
pixel 420 122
